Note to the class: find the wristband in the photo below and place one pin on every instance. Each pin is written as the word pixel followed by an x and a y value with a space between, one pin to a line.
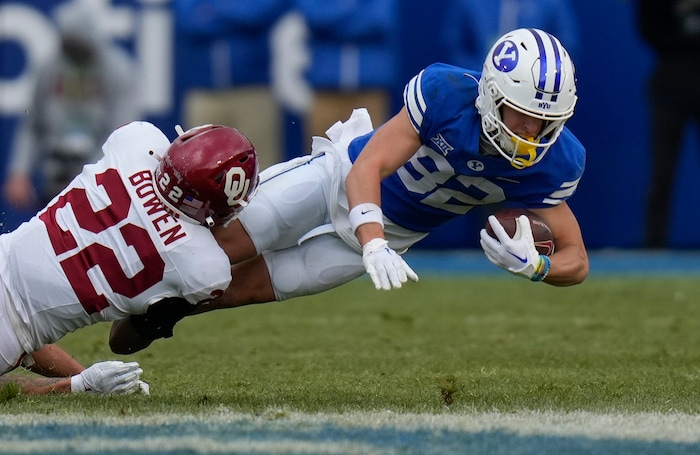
pixel 542 268
pixel 364 213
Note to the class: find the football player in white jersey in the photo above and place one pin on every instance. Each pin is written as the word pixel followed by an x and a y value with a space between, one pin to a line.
pixel 129 236
pixel 462 139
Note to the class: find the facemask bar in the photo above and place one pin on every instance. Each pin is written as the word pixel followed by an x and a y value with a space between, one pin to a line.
pixel 522 152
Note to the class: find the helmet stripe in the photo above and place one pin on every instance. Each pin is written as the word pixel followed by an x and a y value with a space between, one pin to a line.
pixel 544 63
pixel 558 63
pixel 541 83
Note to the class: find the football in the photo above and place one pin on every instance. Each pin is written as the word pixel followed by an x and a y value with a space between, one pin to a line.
pixel 541 233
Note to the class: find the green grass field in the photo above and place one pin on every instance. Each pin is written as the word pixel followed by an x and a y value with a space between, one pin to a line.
pixel 454 345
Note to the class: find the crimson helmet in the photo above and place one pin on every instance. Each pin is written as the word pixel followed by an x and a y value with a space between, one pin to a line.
pixel 208 175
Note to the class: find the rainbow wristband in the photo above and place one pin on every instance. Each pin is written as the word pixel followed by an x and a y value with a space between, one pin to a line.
pixel 542 268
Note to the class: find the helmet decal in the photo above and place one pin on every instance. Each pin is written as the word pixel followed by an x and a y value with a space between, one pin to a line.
pixel 545 67
pixel 505 56
pixel 237 185
pixel 191 206
pixel 174 192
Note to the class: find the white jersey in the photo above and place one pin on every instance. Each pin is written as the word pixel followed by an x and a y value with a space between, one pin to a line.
pixel 105 247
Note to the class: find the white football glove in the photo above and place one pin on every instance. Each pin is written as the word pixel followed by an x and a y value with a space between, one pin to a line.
pixel 144 388
pixel 112 376
pixel 384 266
pixel 518 254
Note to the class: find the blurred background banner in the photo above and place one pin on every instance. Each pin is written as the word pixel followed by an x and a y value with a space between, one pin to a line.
pixel 613 65
pixel 29 38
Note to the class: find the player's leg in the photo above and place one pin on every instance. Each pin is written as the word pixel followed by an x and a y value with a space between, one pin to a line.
pixel 318 264
pixel 286 206
pixel 291 200
pixel 11 352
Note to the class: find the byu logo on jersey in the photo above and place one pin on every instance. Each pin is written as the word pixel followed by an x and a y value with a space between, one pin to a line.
pixel 475 165
pixel 236 186
pixel 505 56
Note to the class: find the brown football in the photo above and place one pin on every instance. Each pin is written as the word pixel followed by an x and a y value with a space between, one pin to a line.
pixel 544 239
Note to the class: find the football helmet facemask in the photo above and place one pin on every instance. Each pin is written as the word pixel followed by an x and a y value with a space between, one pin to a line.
pixel 208 175
pixel 530 71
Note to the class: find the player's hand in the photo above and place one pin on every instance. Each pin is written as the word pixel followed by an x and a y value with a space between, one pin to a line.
pixel 518 254
pixel 112 376
pixel 386 268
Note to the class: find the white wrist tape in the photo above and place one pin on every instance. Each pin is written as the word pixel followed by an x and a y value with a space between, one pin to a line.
pixel 77 384
pixel 364 213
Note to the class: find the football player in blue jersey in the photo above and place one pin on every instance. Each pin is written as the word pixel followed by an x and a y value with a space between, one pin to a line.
pixel 462 139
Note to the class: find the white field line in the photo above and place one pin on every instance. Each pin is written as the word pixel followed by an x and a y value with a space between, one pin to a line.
pixel 671 427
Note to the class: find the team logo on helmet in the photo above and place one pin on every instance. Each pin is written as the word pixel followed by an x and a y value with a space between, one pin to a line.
pixel 208 174
pixel 237 185
pixel 505 56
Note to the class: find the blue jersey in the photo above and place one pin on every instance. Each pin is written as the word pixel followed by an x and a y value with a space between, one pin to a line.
pixel 448 175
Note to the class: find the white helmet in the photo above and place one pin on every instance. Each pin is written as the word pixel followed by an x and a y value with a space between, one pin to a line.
pixel 531 72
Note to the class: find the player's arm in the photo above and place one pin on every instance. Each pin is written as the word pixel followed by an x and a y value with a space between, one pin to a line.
pixel 569 262
pixel 391 146
pixel 235 241
pixel 37 386
pixel 138 331
pixel 66 375
pixel 50 361
pixel 53 362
